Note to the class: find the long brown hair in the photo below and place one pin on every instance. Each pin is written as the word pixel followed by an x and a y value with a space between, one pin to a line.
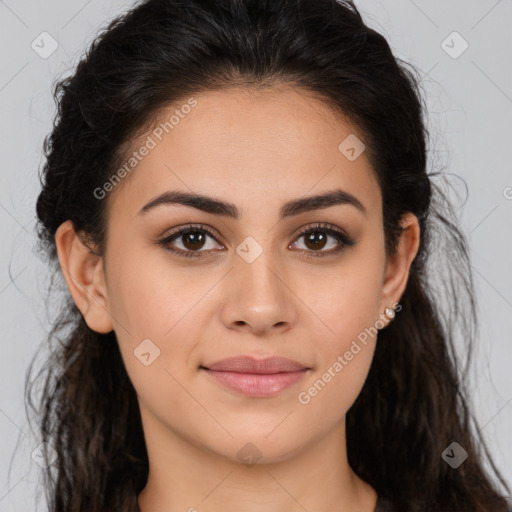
pixel 413 404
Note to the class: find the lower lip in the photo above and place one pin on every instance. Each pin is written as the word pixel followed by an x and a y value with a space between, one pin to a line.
pixel 257 385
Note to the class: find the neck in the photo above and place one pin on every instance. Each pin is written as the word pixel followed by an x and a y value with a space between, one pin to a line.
pixel 187 477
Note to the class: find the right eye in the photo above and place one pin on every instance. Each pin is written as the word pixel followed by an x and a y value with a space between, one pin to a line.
pixel 192 238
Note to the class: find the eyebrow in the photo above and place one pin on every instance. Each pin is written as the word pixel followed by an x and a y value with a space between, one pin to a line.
pixel 225 209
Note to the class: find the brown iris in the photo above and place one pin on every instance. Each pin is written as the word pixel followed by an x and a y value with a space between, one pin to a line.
pixel 314 238
pixel 193 240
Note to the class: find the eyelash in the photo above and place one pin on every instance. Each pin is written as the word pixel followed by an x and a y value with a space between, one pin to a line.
pixel 329 229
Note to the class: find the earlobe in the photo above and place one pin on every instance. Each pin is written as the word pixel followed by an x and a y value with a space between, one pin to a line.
pixel 399 264
pixel 84 275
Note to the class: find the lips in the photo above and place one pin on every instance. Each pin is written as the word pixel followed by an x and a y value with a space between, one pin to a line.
pixel 253 377
pixel 248 364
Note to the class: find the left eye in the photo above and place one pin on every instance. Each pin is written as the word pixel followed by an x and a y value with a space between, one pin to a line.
pixel 193 239
pixel 317 235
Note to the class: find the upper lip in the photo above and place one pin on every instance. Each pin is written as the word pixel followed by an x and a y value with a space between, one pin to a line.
pixel 249 364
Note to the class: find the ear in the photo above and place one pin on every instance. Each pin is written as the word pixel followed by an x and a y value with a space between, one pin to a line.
pixel 399 263
pixel 84 274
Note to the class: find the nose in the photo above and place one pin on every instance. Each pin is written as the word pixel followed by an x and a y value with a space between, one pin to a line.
pixel 258 297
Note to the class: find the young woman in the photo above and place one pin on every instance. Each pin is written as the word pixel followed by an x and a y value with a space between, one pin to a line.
pixel 236 195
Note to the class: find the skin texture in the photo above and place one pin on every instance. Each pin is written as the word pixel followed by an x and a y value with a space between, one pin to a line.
pixel 256 150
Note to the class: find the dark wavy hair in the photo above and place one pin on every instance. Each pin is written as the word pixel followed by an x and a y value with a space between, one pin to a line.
pixel 414 403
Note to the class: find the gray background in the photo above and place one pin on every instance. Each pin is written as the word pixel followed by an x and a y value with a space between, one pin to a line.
pixel 470 110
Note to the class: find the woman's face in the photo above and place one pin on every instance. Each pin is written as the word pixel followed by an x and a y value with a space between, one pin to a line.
pixel 253 287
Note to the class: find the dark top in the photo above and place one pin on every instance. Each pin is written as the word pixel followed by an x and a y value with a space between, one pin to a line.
pixel 383 505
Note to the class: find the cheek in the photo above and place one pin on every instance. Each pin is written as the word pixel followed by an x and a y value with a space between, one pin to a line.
pixel 349 310
pixel 334 387
pixel 346 300
pixel 154 300
pixel 157 318
pixel 344 356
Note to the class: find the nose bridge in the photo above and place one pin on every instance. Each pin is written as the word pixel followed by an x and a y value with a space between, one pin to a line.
pixel 259 270
pixel 258 294
pixel 264 275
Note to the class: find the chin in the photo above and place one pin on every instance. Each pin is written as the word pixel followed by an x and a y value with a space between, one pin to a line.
pixel 257 447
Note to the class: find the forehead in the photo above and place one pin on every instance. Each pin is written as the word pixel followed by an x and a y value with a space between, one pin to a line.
pixel 259 146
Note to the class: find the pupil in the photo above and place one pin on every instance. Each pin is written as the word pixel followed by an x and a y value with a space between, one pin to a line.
pixel 316 235
pixel 197 238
